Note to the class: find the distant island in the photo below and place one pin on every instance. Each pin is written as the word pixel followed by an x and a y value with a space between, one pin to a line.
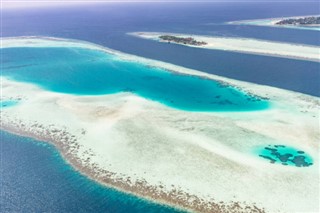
pixel 306 21
pixel 237 44
pixel 182 40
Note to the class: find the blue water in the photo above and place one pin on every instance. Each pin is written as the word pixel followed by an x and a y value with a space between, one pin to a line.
pixel 34 178
pixel 7 103
pixel 285 155
pixel 107 25
pixel 91 72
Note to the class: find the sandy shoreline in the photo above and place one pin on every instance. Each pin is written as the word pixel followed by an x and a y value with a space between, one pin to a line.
pixel 245 45
pixel 130 143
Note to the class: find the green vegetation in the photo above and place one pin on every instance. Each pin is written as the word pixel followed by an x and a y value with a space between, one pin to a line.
pixel 182 40
pixel 300 21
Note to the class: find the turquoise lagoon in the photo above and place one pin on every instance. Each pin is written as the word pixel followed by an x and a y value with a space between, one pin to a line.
pixel 83 71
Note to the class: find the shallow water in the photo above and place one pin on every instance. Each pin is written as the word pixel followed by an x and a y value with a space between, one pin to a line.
pixel 34 178
pixel 285 155
pixel 7 103
pixel 91 72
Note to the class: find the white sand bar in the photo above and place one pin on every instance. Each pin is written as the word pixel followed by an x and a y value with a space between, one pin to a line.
pixel 200 161
pixel 246 45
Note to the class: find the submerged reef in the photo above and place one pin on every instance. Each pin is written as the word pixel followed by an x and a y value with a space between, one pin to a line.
pixel 286 156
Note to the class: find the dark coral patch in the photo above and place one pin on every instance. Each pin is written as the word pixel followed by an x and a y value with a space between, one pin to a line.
pixel 285 156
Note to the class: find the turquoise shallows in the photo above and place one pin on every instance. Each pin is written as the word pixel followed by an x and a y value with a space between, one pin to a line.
pixel 285 155
pixel 82 71
pixel 7 103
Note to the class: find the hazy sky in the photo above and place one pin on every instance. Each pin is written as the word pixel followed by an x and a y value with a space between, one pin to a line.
pixel 29 3
pixel 39 3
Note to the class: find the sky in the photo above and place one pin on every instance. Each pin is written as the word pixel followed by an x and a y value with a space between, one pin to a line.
pixel 44 3
pixel 32 4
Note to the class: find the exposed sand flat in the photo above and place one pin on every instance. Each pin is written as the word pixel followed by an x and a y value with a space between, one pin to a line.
pixel 272 23
pixel 246 45
pixel 38 41
pixel 199 161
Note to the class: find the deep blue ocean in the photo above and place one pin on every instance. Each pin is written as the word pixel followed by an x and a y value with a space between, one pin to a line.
pixel 34 178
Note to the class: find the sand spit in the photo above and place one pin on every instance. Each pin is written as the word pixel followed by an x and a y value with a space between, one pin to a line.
pixel 271 22
pixel 246 45
pixel 202 162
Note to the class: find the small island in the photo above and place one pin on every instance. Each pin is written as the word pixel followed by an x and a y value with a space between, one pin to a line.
pixel 309 22
pixel 237 44
pixel 305 21
pixel 182 40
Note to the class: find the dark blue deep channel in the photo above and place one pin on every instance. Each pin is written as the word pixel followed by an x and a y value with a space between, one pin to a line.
pixel 35 178
pixel 91 72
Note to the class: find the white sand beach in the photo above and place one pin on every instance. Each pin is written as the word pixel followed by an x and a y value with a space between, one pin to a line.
pixel 246 45
pixel 203 162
